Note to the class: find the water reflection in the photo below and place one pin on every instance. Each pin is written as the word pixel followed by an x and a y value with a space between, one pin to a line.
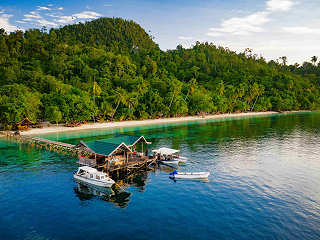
pixel 117 194
pixel 85 193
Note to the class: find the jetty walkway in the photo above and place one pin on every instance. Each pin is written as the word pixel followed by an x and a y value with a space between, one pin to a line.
pixel 60 147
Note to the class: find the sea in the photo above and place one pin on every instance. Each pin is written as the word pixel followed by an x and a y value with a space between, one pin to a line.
pixel 264 183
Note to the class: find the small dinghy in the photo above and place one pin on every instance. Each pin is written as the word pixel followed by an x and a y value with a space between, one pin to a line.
pixel 189 175
pixel 91 176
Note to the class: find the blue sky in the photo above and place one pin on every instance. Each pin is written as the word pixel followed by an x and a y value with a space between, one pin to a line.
pixel 273 28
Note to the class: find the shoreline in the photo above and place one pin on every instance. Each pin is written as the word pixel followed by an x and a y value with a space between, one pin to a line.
pixel 132 123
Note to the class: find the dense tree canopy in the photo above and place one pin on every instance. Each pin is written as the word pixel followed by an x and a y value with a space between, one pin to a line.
pixel 110 68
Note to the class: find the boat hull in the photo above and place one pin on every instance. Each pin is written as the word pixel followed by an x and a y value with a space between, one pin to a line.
pixel 200 175
pixel 181 159
pixel 172 163
pixel 93 182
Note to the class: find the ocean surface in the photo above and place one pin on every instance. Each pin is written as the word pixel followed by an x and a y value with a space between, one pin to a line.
pixel 264 184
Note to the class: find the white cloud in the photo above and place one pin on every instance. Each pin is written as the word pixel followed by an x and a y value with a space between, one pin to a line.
pixel 43 8
pixel 241 26
pixel 52 15
pixel 253 23
pixel 49 17
pixel 185 38
pixel 54 18
pixel 302 30
pixel 87 15
pixel 5 24
pixel 44 22
pixel 33 15
pixel 37 19
pixel 65 19
pixel 73 17
pixel 279 5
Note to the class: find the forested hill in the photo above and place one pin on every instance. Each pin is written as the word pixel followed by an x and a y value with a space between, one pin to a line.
pixel 113 34
pixel 110 68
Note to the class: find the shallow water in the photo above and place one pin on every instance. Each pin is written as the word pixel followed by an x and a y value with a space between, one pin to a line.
pixel 264 184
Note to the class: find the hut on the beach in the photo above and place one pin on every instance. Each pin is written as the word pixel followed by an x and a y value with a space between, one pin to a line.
pixel 25 124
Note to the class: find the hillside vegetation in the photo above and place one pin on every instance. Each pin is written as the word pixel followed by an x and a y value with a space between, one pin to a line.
pixel 110 68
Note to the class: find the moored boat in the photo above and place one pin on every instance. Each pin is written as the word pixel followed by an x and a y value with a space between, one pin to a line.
pixel 168 155
pixel 170 162
pixel 91 176
pixel 189 175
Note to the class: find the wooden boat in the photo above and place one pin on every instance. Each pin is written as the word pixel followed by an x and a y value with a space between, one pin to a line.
pixel 189 175
pixel 92 177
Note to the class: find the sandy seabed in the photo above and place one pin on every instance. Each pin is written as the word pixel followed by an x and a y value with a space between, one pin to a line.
pixel 53 129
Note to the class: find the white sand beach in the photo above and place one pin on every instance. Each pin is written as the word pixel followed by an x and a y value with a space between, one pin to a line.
pixel 53 129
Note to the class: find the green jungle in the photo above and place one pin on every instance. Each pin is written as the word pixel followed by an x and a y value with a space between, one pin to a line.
pixel 111 69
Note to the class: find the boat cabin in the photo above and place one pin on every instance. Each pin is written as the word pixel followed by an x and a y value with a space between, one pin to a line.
pixel 166 153
pixel 90 173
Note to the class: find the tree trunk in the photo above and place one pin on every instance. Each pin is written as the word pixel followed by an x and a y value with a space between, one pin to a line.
pixel 254 102
pixel 115 110
pixel 171 101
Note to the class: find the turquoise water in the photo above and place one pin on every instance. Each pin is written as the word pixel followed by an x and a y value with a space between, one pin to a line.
pixel 264 184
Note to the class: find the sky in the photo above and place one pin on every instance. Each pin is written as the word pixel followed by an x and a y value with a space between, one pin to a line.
pixel 272 28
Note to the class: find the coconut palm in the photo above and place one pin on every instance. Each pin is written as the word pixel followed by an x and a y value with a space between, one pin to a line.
pixel 314 59
pixel 119 97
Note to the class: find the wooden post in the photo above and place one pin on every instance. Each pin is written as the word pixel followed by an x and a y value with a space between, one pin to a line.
pixel 142 150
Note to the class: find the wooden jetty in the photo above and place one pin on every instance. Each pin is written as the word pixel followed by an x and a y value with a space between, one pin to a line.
pixel 117 156
pixel 59 147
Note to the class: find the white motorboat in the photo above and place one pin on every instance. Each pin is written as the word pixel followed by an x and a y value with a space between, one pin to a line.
pixel 91 176
pixel 189 175
pixel 168 154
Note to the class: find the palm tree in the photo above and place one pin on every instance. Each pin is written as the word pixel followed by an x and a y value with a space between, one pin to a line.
pixel 192 85
pixel 284 60
pixel 120 97
pixel 314 59
pixel 131 103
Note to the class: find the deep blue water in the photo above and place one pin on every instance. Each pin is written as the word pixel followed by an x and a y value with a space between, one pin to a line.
pixel 264 184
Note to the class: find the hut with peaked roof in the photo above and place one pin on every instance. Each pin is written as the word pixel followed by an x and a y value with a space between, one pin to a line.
pixel 114 153
pixel 99 151
pixel 24 124
pixel 130 141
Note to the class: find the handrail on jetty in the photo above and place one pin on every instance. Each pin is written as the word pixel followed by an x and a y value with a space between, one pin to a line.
pixel 60 147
